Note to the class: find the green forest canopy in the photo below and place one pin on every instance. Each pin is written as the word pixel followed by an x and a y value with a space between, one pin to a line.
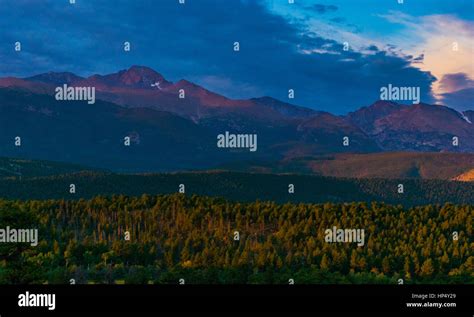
pixel 177 236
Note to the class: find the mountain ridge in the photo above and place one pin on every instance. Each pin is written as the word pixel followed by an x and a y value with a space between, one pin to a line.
pixel 141 103
pixel 143 77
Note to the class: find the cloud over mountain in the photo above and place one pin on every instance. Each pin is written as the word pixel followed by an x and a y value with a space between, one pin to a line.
pixel 196 41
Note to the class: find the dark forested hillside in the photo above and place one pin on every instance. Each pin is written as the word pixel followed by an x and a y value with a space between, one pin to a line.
pixel 242 187
pixel 16 168
pixel 177 237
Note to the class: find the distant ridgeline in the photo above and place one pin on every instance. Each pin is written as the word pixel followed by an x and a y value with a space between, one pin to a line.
pixel 243 187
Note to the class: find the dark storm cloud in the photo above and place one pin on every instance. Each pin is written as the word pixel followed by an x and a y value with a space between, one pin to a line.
pixel 419 59
pixel 460 100
pixel 457 81
pixel 373 48
pixel 321 8
pixel 338 20
pixel 461 89
pixel 195 41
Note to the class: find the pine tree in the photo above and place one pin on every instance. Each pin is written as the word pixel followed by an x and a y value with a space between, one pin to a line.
pixel 427 268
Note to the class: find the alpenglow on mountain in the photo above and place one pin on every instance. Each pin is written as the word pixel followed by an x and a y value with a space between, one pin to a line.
pixel 173 125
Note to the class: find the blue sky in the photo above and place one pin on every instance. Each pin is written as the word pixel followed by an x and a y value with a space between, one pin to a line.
pixel 282 46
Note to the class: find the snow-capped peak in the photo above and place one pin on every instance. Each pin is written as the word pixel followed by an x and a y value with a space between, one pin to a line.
pixel 465 117
pixel 157 85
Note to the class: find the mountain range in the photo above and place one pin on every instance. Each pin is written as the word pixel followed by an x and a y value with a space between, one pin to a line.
pixel 173 126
